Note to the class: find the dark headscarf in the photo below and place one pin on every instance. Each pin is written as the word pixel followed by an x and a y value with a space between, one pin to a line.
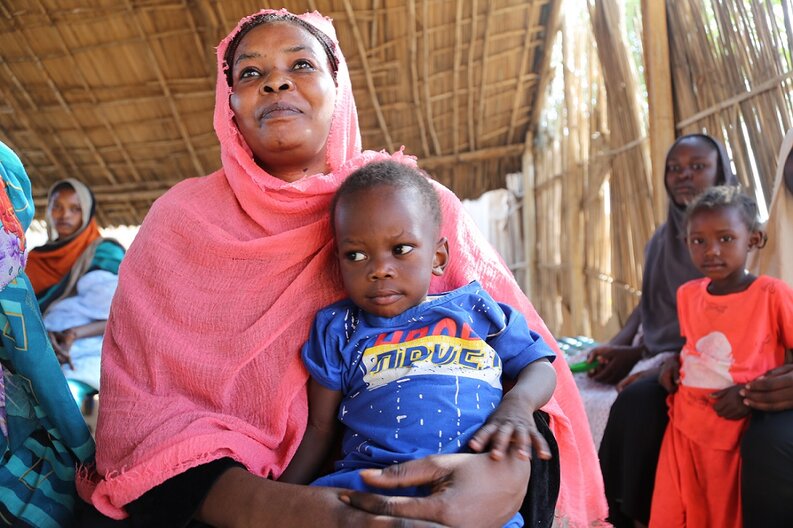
pixel 667 264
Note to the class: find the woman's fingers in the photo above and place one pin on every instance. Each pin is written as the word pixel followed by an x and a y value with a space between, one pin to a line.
pixel 405 512
pixel 414 473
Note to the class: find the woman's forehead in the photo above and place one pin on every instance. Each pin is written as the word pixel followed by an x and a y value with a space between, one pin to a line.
pixel 693 147
pixel 291 36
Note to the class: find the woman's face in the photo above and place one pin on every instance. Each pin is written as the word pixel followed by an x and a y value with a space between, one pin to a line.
pixel 283 96
pixel 66 213
pixel 691 167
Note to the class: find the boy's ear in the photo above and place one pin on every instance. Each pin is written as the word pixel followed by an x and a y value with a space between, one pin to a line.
pixel 441 257
pixel 758 239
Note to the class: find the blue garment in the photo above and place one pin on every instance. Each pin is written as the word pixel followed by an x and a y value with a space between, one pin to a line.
pixel 45 436
pixel 420 383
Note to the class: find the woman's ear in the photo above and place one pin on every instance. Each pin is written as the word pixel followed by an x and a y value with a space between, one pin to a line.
pixel 441 257
pixel 758 239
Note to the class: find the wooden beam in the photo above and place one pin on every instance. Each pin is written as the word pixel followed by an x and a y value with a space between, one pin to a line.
pixel 480 118
pixel 524 59
pixel 426 80
pixel 490 153
pixel 367 73
pixel 166 90
pixel 458 53
pixel 551 29
pixel 414 76
pixel 471 127
pixel 94 100
pixel 661 111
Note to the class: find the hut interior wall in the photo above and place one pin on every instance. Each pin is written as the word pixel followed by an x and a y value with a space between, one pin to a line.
pixel 593 187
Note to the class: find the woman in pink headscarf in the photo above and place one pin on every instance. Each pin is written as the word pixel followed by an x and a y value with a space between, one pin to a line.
pixel 204 394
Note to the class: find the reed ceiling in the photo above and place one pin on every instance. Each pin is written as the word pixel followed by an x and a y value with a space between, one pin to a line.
pixel 120 93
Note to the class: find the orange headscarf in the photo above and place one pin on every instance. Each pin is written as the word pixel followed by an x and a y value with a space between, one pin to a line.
pixel 49 264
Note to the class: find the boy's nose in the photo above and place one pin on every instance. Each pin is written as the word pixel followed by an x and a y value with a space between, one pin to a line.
pixel 380 268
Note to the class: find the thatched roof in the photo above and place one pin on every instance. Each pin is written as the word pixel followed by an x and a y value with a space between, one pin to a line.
pixel 120 94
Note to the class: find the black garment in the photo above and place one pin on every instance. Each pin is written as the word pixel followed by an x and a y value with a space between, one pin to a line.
pixel 172 504
pixel 175 501
pixel 630 448
pixel 767 470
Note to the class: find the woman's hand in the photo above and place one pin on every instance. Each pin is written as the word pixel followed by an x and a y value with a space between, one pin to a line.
pixel 773 391
pixel 728 403
pixel 62 344
pixel 669 378
pixel 614 362
pixel 467 490
pixel 239 499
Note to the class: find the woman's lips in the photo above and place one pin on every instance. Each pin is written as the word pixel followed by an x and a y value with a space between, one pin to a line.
pixel 277 110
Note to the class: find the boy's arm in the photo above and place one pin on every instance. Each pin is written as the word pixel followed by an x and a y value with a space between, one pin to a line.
pixel 513 420
pixel 323 405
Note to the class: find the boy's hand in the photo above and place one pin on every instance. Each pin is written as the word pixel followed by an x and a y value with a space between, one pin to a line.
pixel 510 423
pixel 728 403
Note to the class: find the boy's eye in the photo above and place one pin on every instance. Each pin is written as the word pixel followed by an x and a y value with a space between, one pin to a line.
pixel 695 241
pixel 354 256
pixel 403 249
pixel 727 238
pixel 673 168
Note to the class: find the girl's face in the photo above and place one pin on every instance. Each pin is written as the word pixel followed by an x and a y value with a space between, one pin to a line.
pixel 388 249
pixel 719 241
pixel 691 167
pixel 283 96
pixel 66 212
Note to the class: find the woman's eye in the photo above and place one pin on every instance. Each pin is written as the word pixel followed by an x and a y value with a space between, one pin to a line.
pixel 727 238
pixel 695 241
pixel 697 166
pixel 355 256
pixel 302 64
pixel 403 249
pixel 673 168
pixel 248 72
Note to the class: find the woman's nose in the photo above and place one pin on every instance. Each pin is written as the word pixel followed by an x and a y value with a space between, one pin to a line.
pixel 277 82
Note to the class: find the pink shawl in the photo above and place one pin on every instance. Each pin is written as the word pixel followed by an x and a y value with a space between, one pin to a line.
pixel 215 298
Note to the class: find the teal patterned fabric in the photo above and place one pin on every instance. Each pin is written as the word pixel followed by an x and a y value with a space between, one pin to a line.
pixel 45 437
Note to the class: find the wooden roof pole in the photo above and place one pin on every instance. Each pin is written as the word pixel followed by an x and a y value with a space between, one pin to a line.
pixel 661 111
pixel 367 71
pixel 529 182
pixel 414 75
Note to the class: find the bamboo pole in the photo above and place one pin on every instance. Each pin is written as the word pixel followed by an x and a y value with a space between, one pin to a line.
pixel 658 79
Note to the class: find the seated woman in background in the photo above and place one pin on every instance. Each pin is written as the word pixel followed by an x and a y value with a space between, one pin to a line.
pixel 75 275
pixel 42 435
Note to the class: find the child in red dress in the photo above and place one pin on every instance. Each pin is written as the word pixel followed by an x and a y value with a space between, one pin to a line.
pixel 737 326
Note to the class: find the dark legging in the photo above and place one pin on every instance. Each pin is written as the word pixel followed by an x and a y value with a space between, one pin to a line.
pixel 629 450
pixel 767 470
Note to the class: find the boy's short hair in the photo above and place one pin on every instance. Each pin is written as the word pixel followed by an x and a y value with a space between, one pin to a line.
pixel 725 197
pixel 390 174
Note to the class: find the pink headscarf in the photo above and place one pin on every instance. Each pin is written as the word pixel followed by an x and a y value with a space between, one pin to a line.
pixel 216 296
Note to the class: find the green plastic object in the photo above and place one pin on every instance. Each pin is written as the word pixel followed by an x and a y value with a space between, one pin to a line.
pixel 582 366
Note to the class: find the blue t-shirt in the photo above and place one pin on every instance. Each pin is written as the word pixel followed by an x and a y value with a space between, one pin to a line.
pixel 422 382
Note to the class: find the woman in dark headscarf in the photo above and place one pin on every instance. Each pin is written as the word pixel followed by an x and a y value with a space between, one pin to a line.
pixel 636 423
pixel 42 435
pixel 75 275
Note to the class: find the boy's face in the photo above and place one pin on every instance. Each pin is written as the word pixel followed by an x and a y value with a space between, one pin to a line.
pixel 388 249
pixel 719 242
